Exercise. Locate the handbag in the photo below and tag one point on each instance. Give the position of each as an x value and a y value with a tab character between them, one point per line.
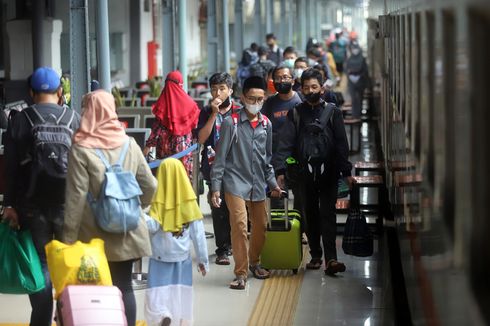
20	271
357	240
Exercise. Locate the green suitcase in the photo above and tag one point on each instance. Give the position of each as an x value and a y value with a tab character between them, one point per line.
282	248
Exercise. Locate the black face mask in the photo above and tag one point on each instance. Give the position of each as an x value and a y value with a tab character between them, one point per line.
283	88
313	97
225	104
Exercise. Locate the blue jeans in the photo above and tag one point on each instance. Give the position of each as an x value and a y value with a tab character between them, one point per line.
45	225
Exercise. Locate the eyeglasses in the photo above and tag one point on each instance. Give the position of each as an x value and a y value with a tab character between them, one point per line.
254	100
284	78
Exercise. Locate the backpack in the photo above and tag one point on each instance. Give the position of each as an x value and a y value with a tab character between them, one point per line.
50	148
316	144
117	210
258	69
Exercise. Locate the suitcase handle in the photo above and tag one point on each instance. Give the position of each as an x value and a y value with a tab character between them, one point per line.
284	196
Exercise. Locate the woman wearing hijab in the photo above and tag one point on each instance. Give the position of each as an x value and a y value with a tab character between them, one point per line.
176	116
175	222
357	74
100	129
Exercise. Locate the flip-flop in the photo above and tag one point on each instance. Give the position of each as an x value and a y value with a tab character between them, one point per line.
259	272
238	283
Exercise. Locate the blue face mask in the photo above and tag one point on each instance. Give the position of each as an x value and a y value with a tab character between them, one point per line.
289	63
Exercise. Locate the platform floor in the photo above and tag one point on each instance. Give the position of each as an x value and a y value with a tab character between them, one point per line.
360	296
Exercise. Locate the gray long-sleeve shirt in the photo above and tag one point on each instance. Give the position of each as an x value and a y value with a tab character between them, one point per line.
242	165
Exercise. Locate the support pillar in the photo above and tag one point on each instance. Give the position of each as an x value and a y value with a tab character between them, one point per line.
212	38
38	39
79	52
168	54
103	54
182	39
238	29
226	36
269	19
258	21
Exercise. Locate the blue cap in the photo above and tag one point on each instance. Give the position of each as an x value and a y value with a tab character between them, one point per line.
45	80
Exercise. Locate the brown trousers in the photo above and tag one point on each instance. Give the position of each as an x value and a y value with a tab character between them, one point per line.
246	252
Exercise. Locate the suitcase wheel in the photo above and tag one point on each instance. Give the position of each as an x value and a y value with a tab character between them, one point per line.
295	271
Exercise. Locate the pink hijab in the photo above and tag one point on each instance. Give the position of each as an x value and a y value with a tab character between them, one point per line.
99	126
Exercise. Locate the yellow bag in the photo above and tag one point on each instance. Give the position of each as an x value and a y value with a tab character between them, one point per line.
79	263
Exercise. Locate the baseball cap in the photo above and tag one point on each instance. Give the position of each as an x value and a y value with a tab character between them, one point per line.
45	80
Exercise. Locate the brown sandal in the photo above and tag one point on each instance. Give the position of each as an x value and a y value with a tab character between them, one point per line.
238	283
259	272
222	260
315	263
334	267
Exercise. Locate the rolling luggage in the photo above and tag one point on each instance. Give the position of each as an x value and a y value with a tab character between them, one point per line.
90	305
282	248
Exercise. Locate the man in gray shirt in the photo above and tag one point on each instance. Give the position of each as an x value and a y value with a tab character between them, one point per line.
242	167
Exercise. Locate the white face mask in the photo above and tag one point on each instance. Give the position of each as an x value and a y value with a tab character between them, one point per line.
297	73
253	108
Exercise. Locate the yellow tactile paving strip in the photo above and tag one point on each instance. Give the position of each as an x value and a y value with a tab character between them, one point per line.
278	297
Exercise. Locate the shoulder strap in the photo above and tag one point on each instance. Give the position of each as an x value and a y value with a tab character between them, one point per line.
327	114
296	118
66	119
33	115
123	153
103	159
120	161
234	118
265	120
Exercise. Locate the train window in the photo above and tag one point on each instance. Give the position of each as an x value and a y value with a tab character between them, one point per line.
477	167
449	41
403	58
408	74
430	98
415	145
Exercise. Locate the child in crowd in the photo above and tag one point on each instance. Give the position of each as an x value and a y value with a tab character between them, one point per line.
175	220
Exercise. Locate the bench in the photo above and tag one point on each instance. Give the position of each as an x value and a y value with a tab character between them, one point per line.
354	124
361	166
369	181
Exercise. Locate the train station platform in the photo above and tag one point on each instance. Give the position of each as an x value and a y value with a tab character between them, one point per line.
362	295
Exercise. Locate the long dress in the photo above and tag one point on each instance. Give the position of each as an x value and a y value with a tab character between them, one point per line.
169	293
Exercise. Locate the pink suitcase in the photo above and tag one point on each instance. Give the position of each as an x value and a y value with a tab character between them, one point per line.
90	305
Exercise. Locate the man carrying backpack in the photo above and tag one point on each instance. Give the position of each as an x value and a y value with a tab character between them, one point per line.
37	143
314	135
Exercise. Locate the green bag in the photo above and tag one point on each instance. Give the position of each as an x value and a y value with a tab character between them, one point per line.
20	267
343	189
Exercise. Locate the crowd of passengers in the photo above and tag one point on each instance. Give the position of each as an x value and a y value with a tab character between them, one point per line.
247	142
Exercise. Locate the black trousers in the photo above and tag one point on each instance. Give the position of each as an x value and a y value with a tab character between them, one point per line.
321	222
121	277
221	225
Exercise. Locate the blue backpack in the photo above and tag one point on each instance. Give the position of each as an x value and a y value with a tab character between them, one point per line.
117	210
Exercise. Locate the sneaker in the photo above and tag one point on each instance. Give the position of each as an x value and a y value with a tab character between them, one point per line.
334	267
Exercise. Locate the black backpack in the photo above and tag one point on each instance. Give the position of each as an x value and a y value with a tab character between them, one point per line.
50	148
316	144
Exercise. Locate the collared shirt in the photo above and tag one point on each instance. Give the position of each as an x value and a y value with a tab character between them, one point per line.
243	158
214	136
